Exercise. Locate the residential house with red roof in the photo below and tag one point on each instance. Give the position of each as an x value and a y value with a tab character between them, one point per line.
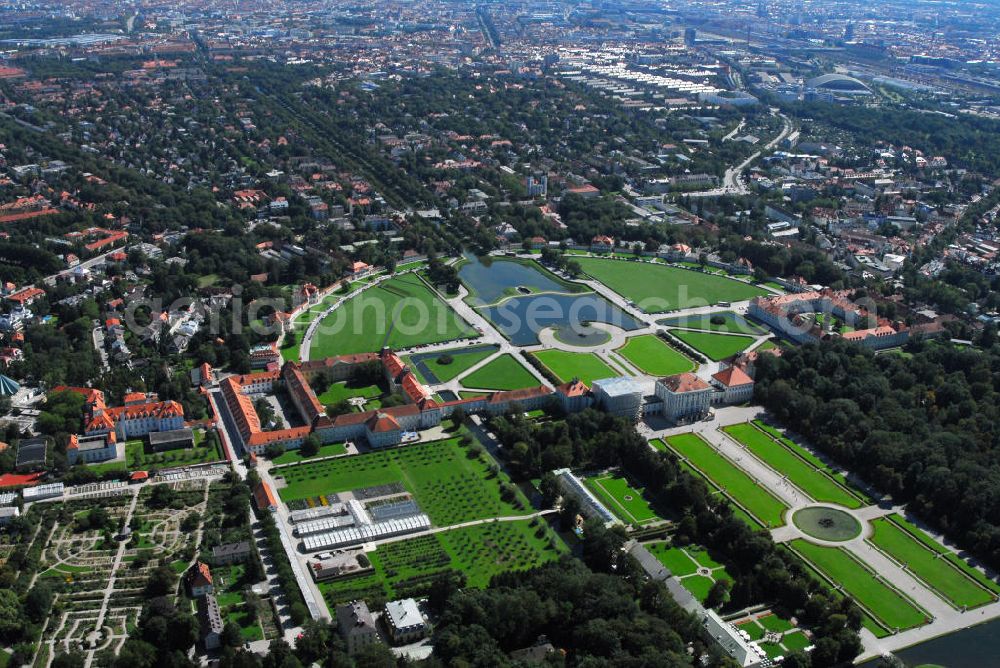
602	244
199	580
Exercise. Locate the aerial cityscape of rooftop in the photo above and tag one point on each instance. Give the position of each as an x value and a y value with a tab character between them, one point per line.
499	334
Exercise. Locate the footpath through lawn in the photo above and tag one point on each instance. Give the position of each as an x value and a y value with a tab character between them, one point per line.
883	601
803	475
401	312
929	566
743	489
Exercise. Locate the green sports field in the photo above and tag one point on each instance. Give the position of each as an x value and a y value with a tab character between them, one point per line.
622	499
929	565
885	603
803	475
760	503
588	367
502	373
657	288
732	323
713	346
461	360
652	356
449	486
401	312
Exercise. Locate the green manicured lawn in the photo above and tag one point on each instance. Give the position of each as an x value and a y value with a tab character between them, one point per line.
732	323
139	455
337	392
755	499
470	395
713	346
812	459
701	555
713	488
957	561
624	500
291	352
230	586
813	482
651	355
657	288
929	565
795	641
400	313
588	367
292	456
698	585
753	629
774	623
408	567
884	602
674	558
106	467
687	560
448	485
502	373
461	360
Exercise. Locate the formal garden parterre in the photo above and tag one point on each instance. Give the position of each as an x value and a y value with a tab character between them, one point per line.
651	355
504	372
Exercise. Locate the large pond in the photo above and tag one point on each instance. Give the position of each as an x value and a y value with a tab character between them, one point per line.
490	280
521	317
977	646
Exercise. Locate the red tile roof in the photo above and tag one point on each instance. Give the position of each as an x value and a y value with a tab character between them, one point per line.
519	395
393	365
157	409
26	295
201	575
574	388
264	497
381	423
684	382
733	377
